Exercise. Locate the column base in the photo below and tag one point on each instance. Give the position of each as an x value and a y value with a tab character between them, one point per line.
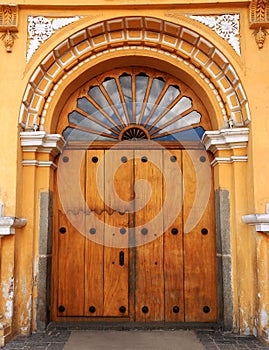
5	333
265	334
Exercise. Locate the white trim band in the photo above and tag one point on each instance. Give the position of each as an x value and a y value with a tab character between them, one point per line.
38	163
225	139
229	160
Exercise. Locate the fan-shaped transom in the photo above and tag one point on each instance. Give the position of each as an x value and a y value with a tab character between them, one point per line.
134	132
134	103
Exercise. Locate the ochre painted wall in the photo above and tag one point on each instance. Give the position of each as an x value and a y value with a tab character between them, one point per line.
247	182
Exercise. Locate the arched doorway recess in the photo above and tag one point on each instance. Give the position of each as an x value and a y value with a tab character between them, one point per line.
134	215
192	56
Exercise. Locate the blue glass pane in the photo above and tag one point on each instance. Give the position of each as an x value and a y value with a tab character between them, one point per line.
96	94
112	91
126	86
191	118
194	134
75	118
79	120
179	108
85	105
71	134
155	90
170	95
141	88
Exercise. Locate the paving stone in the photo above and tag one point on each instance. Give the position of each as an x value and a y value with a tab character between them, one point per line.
58	346
55	339
15	345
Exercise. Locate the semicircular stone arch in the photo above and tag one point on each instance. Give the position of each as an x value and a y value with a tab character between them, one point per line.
127	33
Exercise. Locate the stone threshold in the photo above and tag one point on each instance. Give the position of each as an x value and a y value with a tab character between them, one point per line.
132	325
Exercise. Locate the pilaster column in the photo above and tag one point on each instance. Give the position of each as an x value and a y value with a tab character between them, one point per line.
229	149
260	222
33	253
8	225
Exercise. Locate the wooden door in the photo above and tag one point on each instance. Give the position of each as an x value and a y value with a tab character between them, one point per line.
172	239
200	280
91	239
69	242
107	223
149	293
138	258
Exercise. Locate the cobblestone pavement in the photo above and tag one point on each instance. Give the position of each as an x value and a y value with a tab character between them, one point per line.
211	340
216	340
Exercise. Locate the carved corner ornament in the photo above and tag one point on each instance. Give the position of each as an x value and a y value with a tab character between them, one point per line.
8	25
259	20
41	28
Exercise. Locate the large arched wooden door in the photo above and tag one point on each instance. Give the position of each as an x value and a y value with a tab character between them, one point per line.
134	233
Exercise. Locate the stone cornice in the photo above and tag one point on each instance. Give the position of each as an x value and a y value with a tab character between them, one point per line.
225	139
231	140
41	142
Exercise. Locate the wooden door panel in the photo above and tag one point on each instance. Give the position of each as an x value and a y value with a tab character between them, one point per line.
118	198
130	198
199	240
95	227
116	262
71	270
149	296
173	253
71	241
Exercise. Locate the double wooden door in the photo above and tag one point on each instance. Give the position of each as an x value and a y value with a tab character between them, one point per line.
138	242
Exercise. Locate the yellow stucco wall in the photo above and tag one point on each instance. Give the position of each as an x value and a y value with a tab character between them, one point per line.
247	182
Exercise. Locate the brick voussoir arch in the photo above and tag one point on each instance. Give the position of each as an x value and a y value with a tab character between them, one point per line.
127	33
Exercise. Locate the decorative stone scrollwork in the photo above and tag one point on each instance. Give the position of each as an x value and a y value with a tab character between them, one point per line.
41	28
260	35
226	26
259	20
259	12
8	25
8	40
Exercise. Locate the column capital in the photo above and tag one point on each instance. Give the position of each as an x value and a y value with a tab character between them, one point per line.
227	145
39	142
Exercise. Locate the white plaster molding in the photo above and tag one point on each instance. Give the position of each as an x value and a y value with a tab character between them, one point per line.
226	26
225	139
8	224
37	163
260	221
228	160
40	141
41	29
